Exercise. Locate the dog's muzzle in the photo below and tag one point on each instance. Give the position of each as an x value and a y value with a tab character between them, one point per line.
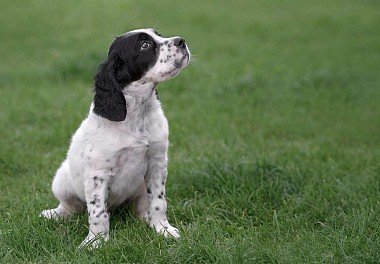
181	45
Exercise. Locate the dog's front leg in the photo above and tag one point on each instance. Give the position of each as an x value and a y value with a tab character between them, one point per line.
96	188
155	180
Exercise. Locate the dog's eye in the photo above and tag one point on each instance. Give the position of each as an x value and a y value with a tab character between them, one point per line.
145	45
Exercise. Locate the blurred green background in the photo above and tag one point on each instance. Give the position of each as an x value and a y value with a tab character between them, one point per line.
274	129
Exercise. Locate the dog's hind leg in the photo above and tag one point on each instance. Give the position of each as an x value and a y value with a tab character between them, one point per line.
64	192
140	203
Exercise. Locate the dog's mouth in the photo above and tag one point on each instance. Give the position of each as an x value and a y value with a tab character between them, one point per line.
178	66
182	63
171	73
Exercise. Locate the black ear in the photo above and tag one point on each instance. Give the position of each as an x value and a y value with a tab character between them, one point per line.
109	101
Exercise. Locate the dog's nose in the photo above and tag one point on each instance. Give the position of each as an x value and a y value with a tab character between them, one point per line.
179	42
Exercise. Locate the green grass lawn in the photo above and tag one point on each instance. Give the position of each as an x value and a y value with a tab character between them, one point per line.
274	129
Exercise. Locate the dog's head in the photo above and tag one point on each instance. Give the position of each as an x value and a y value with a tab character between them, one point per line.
140	55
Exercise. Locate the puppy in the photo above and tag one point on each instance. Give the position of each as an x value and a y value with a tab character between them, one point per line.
119	152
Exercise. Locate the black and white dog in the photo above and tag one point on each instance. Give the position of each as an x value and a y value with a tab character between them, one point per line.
119	152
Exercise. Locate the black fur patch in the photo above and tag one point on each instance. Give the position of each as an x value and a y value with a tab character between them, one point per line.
126	63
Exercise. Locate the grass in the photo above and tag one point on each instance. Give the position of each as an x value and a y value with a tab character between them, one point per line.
275	129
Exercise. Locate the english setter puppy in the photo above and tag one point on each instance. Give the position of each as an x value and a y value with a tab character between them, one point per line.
119	152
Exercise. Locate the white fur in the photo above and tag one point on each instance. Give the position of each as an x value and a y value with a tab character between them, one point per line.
111	162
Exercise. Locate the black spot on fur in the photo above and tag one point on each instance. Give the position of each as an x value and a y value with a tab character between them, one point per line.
158	98
97	179
148	190
160	196
96	199
107	160
100	213
157	208
92	202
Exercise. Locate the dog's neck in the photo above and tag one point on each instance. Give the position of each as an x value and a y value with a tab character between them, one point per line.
139	97
139	90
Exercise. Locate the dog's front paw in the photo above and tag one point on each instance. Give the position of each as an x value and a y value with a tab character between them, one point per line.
93	241
51	214
167	230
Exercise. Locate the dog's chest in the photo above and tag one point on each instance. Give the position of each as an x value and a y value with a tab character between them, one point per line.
129	166
128	154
